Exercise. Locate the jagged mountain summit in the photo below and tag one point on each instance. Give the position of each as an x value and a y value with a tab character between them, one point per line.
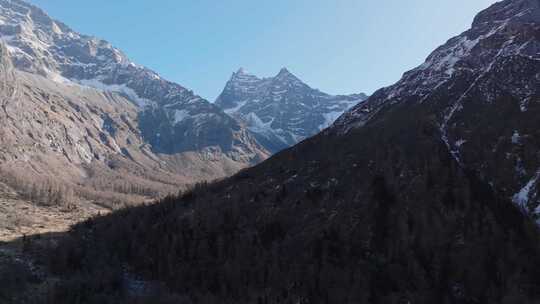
482	89
79	100
281	110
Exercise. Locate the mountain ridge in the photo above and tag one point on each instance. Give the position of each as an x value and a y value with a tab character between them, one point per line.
281	110
472	73
67	56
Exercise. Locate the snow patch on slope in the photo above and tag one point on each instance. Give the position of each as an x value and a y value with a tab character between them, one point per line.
516	138
256	124
329	119
523	196
238	106
122	89
180	115
447	60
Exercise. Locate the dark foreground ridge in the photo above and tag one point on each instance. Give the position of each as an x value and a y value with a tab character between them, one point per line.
396	221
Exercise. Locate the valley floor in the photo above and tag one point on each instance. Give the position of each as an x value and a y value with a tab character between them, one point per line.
19	217
22	278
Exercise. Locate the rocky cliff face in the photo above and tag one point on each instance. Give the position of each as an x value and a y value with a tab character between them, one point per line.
80	136
482	90
73	101
281	110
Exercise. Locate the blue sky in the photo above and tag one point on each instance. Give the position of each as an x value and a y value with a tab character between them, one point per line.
337	46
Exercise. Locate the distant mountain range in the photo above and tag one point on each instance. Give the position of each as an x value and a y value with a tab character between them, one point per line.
282	110
77	110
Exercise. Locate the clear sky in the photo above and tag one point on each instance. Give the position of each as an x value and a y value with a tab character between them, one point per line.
337	46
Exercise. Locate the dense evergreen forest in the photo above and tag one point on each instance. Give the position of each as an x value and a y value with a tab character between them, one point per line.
395	221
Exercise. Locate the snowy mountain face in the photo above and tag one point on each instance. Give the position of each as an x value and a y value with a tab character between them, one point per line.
281	110
173	118
76	109
482	92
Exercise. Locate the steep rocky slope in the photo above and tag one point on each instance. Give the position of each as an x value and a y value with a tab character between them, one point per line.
82	136
482	90
77	110
409	198
41	45
282	110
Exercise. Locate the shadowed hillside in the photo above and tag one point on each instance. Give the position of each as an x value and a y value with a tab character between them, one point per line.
427	192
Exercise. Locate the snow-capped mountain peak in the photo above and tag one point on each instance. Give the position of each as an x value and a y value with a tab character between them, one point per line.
284	72
287	79
281	110
241	71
